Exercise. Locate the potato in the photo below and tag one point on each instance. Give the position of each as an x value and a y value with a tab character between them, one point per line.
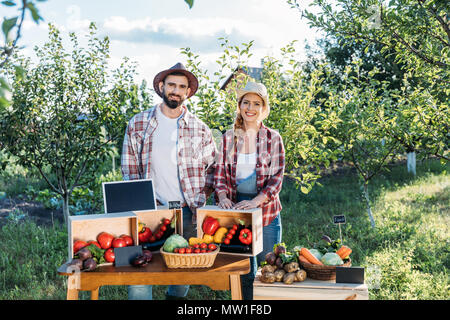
300	275
279	273
268	268
268	277
289	277
291	267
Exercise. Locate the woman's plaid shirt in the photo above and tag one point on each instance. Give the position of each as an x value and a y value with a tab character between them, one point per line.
196	153
269	169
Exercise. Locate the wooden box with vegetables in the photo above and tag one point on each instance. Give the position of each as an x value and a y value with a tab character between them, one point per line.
154	227
100	233
238	232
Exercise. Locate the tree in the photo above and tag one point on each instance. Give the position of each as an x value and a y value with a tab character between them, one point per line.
67	111
417	34
8	26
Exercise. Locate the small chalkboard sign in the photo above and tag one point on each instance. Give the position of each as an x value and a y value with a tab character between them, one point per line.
133	195
349	275
125	256
174	205
339	219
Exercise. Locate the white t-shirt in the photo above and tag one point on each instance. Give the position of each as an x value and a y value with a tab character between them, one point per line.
164	167
246	165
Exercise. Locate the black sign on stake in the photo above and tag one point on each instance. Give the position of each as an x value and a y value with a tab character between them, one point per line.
174	205
339	220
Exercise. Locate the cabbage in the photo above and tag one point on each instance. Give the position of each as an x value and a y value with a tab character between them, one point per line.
175	241
331	259
316	253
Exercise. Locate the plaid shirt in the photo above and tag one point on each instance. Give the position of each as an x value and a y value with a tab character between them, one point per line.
196	153
269	169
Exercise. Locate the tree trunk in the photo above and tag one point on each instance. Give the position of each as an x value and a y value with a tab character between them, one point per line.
411	162
369	210
66	207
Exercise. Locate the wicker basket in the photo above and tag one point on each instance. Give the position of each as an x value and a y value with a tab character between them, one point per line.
189	260
320	272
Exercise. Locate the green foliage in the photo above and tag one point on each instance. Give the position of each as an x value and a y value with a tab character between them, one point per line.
69	110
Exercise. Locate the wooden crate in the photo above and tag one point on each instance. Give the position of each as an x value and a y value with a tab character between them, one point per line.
152	219
228	217
309	289
88	227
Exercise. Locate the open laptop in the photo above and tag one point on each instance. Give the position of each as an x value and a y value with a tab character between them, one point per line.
132	195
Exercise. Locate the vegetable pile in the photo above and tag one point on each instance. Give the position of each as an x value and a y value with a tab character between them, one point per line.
281	266
329	253
177	244
152	241
89	254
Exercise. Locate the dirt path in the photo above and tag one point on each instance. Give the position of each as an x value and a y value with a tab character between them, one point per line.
23	209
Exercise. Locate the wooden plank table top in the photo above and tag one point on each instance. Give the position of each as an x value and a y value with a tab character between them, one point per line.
310	289
223	275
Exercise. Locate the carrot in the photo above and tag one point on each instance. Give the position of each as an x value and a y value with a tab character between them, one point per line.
344	252
303	259
310	257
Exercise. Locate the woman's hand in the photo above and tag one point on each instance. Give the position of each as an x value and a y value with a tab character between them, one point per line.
224	202
246	204
251	204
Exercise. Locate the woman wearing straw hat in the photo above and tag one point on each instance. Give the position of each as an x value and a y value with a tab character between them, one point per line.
249	170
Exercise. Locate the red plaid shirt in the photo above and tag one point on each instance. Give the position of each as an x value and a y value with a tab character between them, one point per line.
196	153
269	169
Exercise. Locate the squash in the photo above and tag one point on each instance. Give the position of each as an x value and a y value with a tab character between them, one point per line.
220	234
344	252
310	257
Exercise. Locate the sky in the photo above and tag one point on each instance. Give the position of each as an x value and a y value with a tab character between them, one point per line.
152	32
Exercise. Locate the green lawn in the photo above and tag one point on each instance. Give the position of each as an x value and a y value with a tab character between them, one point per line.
406	256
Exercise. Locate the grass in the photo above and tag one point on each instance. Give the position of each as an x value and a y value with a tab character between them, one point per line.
406	255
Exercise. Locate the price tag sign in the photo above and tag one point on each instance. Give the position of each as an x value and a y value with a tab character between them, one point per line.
339	219
174	204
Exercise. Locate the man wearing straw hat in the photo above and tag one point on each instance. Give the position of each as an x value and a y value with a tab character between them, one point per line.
175	149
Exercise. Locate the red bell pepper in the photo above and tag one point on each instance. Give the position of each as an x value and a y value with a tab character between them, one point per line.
210	225
245	236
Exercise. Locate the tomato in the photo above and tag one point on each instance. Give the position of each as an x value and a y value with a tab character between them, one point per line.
235	227
163	228
196	246
158	235
79	244
128	239
229	236
203	245
182	250
226	241
166	222
152	239
109	255
118	243
145	235
203	250
95	243
176	250
197	250
232	231
212	247
189	250
105	240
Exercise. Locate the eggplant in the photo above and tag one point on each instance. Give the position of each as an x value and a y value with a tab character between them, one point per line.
153	246
84	254
140	261
89	264
235	248
148	255
327	238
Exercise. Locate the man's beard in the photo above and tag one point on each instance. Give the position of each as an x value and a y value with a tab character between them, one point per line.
173	104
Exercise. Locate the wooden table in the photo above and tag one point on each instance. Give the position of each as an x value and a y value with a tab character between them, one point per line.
223	275
310	289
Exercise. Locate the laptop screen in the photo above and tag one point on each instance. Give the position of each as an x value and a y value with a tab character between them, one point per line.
134	195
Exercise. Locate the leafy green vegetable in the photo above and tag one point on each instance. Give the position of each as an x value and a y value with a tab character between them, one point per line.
97	254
